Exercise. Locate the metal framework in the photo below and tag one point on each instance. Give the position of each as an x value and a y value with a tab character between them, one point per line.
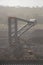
13	26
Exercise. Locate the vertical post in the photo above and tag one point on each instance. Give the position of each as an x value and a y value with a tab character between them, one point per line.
9	30
16	37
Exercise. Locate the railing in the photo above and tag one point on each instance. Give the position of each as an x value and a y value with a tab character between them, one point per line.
17	44
13	26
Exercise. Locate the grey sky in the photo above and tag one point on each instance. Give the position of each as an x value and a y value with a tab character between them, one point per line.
28	3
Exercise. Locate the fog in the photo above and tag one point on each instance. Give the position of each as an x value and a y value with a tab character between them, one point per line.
34	36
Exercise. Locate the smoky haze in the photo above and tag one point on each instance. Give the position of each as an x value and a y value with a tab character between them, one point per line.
33	37
22	12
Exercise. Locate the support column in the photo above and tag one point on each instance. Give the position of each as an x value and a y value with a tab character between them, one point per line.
16	36
9	30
